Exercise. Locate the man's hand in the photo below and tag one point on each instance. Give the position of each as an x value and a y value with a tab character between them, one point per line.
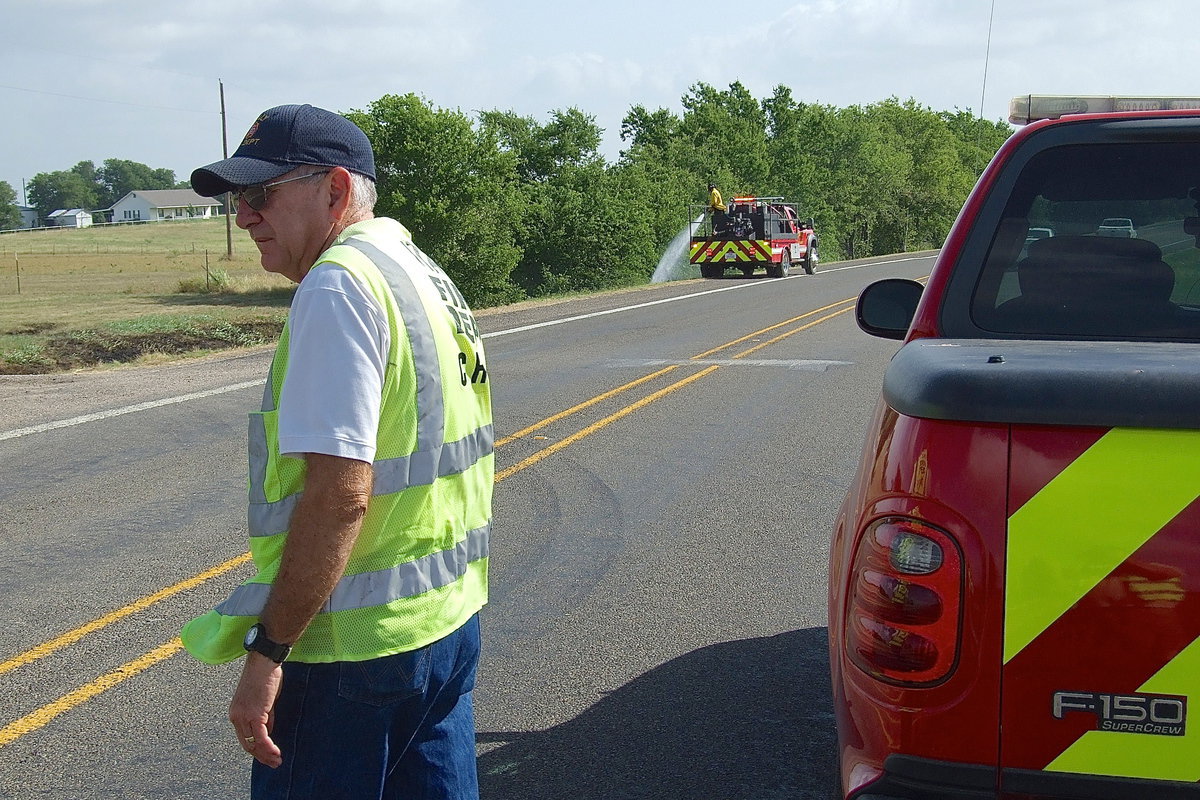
252	708
321	535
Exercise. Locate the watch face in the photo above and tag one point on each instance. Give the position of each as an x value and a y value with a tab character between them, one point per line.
251	635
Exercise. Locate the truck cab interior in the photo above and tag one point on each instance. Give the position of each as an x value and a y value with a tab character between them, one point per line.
1047	270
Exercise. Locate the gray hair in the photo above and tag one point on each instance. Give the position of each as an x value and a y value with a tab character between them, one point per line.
362	194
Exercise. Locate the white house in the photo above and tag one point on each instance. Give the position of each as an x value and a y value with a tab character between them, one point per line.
155	204
70	218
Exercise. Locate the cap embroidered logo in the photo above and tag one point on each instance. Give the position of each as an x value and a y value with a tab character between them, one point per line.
249	138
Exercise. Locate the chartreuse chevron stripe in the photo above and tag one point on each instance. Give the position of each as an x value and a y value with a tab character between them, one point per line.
1091	517
1139	755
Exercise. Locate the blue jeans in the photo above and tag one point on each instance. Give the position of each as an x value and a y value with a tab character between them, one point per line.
396	727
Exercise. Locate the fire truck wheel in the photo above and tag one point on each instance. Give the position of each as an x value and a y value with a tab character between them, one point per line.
810	262
781	269
747	271
710	271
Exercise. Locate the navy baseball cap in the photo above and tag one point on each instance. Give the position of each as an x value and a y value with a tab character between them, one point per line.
283	138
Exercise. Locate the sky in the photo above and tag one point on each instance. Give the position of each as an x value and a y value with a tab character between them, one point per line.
89	80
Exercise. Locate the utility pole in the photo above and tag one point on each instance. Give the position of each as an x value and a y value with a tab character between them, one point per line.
228	197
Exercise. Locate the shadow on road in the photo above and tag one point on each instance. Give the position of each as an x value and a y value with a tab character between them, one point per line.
743	719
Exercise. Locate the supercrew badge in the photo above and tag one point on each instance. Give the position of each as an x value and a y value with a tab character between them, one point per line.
1159	714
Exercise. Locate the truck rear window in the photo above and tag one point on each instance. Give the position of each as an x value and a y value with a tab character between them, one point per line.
1098	242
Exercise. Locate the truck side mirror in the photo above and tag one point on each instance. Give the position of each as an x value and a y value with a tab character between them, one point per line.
886	308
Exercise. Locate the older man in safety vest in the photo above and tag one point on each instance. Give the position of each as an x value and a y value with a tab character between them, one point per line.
371	474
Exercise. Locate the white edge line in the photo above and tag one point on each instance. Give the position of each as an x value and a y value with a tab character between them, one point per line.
756	284
116	412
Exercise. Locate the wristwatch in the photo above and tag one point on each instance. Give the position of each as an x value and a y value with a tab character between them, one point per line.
257	641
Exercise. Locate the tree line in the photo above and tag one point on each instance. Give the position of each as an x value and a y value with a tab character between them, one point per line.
84	186
513	207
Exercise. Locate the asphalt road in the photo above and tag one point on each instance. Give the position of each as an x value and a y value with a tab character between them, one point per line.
669	463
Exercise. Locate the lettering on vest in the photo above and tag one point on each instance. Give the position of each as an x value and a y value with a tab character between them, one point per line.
456	304
460	311
479	375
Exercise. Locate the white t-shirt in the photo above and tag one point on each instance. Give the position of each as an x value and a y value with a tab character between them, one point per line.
339	338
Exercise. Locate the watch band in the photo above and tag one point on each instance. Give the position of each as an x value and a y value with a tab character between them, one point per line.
257	641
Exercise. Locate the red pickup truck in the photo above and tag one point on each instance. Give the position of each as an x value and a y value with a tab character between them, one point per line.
1014	586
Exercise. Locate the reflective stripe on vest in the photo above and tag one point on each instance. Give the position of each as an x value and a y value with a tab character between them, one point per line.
431	460
419	567
391	475
381	587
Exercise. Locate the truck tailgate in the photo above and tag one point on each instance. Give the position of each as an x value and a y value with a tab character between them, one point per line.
1102	607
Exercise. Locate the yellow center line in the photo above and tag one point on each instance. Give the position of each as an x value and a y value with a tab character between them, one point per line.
70	637
750	336
31	722
45	714
648	399
783	336
632	384
575	437
586	404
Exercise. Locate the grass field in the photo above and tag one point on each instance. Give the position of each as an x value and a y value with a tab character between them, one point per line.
77	298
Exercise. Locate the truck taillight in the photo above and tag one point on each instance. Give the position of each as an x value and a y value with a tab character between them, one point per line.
903	623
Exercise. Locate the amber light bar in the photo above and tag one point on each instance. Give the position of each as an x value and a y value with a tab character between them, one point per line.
1031	107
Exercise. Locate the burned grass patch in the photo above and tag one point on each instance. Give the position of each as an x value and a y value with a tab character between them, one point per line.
127	342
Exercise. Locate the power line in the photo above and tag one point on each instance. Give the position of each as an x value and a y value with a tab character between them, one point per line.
100	100
118	62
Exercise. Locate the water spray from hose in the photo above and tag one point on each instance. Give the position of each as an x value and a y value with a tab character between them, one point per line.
674	264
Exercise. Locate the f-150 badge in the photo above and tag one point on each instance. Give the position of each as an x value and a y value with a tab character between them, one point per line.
1157	714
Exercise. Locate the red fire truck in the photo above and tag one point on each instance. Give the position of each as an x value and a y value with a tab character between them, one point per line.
1014	588
754	232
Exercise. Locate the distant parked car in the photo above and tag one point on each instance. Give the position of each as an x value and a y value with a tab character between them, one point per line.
1120	227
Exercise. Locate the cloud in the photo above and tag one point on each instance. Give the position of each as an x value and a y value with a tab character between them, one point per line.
142	81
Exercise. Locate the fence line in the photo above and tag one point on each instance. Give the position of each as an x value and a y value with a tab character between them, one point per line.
57	249
47	228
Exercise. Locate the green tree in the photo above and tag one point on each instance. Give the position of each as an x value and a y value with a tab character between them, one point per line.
645	129
589	225
10	214
51	191
727	131
804	160
454	187
86	170
936	182
119	177
570	138
881	178
590	229
976	139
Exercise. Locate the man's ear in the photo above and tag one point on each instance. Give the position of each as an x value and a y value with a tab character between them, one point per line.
339	192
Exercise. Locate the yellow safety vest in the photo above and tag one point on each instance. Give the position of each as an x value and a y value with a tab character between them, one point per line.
418	570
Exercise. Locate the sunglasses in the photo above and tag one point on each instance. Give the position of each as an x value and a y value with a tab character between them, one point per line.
256	196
